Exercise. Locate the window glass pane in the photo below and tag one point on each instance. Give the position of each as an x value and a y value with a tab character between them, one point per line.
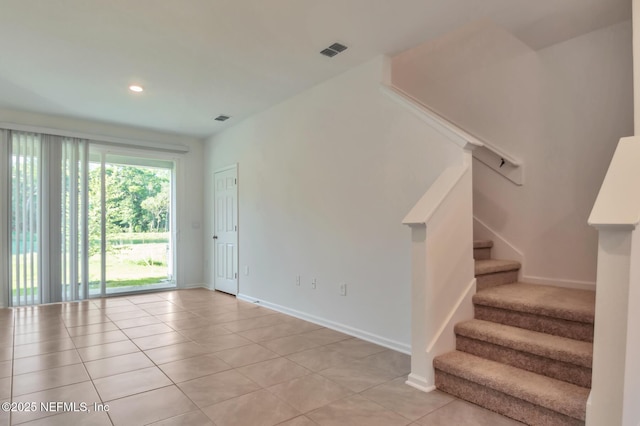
137	242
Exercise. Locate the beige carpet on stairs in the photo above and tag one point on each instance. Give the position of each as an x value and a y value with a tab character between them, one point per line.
553	395
553	356
557	302
528	352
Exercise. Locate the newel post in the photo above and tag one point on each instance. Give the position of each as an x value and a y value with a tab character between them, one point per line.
615	389
421	369
616	351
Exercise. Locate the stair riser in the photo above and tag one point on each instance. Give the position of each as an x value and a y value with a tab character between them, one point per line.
567	372
497	278
558	327
483	253
502	403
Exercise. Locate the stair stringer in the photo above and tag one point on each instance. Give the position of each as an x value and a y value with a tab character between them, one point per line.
445	337
502	249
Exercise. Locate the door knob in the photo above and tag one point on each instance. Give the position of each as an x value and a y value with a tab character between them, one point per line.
215	237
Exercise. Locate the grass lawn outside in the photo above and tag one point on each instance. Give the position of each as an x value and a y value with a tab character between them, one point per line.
134	260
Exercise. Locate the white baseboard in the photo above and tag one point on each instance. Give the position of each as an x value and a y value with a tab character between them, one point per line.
579	285
195	285
419	383
351	331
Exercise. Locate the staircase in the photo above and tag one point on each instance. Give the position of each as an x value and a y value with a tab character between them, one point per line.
528	352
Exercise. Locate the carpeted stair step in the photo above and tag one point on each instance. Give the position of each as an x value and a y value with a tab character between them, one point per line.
546	309
493	272
553	356
482	249
513	392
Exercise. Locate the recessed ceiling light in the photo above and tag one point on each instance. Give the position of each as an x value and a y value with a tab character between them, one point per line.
136	88
222	118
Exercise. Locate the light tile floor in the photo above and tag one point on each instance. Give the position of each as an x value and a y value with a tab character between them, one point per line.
197	357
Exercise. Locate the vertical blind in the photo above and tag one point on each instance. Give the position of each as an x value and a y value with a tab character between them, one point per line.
25	218
5	208
74	241
48	230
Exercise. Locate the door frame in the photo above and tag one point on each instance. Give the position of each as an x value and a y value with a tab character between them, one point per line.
235	167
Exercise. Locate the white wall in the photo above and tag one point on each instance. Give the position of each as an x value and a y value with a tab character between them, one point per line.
190	180
325	179
560	110
4	217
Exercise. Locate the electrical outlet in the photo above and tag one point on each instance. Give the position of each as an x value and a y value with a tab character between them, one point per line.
298	280
246	270
343	289
313	284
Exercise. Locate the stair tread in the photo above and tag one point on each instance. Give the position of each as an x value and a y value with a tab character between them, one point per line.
490	266
546	392
545	345
482	244
564	303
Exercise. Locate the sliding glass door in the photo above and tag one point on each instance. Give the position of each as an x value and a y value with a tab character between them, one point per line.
131	244
83	219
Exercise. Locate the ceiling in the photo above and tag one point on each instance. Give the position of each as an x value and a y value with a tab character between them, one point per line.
200	58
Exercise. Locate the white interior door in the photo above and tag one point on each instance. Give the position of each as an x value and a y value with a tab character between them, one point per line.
226	230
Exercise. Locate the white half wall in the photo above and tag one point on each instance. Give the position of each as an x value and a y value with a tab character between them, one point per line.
325	179
188	192
560	110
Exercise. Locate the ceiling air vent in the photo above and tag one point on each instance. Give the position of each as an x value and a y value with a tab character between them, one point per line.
222	118
328	52
333	50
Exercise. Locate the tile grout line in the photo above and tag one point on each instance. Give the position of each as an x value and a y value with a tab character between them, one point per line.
75	348
236	369
170	379
128	339
13	350
211	353
158	365
161	370
85	368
